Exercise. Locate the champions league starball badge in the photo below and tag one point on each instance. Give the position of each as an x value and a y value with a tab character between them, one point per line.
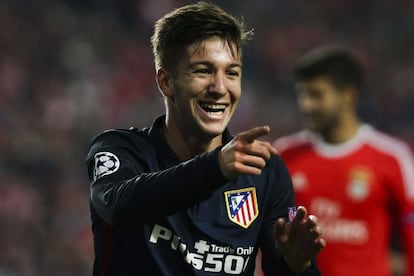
105	163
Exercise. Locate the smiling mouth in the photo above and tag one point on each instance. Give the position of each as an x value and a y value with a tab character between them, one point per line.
213	108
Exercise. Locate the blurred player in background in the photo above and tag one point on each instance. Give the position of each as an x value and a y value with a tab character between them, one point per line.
356	179
185	197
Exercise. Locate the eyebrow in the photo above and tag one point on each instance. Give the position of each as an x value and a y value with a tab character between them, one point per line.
209	64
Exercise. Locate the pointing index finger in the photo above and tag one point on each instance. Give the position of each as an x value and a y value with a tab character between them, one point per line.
254	133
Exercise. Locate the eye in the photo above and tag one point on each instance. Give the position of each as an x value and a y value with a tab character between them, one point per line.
202	71
233	73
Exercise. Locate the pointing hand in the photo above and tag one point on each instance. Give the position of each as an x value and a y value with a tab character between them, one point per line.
246	155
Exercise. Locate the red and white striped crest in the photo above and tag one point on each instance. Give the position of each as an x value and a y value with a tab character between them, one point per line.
242	206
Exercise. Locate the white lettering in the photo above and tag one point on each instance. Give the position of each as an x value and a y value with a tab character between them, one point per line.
214	262
160	232
206	257
245	251
175	242
345	231
233	264
201	246
196	260
323	207
221	249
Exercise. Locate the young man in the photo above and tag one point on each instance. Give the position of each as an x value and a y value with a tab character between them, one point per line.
184	197
357	180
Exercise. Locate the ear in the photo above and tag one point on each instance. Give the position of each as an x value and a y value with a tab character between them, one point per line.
351	96
165	82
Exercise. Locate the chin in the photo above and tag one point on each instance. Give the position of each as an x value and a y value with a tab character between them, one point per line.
316	129
314	126
214	130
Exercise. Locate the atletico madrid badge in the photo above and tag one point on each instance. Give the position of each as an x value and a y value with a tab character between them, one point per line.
242	206
292	213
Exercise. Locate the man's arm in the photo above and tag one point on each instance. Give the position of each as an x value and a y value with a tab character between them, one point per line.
135	193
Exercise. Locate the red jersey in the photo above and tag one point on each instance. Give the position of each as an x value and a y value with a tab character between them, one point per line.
359	190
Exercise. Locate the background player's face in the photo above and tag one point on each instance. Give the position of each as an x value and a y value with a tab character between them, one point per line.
321	103
207	87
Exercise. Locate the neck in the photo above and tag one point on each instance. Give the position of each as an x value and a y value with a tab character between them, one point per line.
343	131
186	145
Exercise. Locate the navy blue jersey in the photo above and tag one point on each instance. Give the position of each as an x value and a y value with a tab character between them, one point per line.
155	215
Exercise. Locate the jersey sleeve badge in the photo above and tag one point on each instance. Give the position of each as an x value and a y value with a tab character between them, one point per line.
242	206
292	213
105	163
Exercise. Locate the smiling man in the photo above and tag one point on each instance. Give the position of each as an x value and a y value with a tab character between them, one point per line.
184	196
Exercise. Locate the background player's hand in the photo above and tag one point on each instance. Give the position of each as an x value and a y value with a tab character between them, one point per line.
299	240
244	154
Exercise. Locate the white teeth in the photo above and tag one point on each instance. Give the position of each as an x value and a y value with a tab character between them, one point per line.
218	107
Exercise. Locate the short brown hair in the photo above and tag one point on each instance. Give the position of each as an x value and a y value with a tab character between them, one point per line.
190	24
338	63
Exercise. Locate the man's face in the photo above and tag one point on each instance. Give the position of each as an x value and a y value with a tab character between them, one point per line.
321	103
207	88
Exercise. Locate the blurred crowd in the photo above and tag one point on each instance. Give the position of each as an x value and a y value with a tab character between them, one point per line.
70	69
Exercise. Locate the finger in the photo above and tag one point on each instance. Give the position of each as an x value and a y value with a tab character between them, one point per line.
279	228
310	223
271	149
258	148
300	215
254	133
241	168
313	220
254	161
261	148
315	233
321	242
319	245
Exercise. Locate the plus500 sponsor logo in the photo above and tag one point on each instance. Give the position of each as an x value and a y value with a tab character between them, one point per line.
206	256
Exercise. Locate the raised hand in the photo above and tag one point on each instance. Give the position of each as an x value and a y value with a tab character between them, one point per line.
244	154
299	240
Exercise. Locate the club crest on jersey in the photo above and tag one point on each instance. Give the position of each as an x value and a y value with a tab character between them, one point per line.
242	206
359	183
105	163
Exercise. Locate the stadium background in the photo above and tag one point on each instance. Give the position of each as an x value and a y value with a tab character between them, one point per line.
70	69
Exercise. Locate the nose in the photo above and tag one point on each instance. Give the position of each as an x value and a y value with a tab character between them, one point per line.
218	84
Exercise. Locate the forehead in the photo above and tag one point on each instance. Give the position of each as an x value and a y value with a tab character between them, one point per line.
214	48
317	83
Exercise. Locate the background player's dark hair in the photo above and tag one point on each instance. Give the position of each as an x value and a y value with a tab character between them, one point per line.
337	63
191	24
